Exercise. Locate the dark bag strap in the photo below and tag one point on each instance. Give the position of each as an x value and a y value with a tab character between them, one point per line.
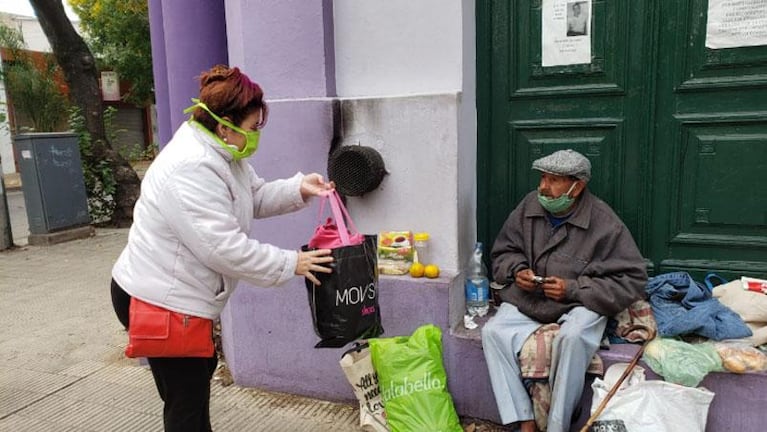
358	347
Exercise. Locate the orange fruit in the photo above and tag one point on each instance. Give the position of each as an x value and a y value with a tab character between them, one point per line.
431	271
417	270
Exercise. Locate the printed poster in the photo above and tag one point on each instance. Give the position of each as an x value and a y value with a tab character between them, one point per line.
736	23
565	32
110	86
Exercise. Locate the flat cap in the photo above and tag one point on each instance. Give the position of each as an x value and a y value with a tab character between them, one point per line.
565	163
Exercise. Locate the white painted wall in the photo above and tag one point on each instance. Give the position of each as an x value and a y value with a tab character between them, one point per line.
34	37
397	47
416	137
405	75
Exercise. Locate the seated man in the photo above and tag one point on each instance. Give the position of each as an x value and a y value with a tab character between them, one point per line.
566	258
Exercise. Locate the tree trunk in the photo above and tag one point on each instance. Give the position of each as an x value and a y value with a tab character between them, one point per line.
81	74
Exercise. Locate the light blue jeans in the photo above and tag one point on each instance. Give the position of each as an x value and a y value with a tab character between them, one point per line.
575	344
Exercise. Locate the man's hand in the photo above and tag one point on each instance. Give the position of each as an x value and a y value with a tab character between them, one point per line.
554	288
524	280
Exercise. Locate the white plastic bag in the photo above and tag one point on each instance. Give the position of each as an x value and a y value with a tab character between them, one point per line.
358	368
649	406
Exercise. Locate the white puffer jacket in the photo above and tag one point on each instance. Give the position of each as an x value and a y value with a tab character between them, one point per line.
189	245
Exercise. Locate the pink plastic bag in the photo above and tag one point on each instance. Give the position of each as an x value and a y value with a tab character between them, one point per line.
334	233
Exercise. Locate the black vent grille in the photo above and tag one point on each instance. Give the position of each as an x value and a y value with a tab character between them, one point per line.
356	169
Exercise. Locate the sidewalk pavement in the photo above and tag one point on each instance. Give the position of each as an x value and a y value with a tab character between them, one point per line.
62	366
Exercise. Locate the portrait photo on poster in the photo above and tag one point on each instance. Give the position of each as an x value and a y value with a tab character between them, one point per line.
565	32
577	18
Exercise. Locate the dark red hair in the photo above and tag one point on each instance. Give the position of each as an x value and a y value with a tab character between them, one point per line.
228	93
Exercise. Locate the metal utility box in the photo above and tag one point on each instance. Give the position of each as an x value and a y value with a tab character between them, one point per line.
52	181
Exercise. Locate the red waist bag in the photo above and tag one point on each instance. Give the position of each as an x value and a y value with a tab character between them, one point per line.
157	332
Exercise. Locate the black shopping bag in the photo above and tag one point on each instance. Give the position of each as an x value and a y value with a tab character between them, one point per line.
345	306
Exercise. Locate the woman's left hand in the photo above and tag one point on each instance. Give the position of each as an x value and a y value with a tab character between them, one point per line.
314	260
314	185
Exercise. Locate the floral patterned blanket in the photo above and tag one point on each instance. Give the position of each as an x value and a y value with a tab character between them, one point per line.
535	356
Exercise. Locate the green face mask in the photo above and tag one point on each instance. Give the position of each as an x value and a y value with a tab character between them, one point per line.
559	204
251	137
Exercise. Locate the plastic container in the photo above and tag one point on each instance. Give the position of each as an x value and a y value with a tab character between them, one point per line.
422	247
477	284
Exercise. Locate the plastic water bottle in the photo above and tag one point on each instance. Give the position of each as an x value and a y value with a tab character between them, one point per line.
477	285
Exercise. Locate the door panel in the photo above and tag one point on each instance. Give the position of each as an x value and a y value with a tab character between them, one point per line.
597	140
710	146
597	109
605	75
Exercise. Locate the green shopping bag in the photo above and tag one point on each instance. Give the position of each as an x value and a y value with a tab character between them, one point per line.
413	383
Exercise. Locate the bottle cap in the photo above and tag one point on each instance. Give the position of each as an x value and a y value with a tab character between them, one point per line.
422	236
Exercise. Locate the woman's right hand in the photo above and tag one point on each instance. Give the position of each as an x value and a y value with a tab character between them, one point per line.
313	261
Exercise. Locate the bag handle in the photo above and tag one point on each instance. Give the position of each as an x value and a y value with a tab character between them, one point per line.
358	347
340	214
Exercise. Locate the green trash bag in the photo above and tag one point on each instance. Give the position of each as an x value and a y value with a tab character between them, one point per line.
413	382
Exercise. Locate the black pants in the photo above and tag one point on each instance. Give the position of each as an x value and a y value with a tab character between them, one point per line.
183	382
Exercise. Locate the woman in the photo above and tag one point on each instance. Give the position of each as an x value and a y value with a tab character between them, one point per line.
189	244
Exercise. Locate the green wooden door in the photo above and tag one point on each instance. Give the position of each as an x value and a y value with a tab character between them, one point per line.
710	149
677	133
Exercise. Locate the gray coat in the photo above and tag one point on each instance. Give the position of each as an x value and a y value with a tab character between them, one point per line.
593	251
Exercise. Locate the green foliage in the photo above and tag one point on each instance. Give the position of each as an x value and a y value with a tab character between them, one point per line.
137	152
117	31
134	152
100	183
11	38
32	85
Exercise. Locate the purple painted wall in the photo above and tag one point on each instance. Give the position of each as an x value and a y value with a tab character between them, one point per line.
274	348
191	40
261	325
268	336
160	72
286	44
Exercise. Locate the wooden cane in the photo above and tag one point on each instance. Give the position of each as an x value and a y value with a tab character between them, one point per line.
616	386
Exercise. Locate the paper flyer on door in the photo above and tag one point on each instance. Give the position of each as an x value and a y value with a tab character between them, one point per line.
736	23
565	32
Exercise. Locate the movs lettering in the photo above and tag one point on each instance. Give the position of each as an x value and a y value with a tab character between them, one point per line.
356	294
